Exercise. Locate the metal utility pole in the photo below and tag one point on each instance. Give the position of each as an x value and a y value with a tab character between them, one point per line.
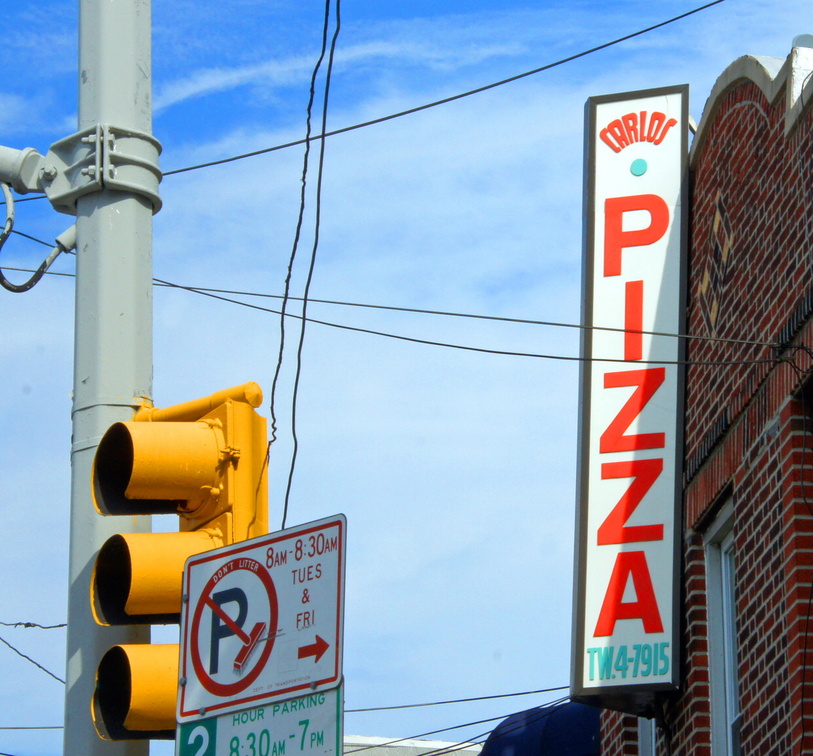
107	176
113	338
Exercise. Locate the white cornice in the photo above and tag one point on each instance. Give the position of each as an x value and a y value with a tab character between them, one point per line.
793	75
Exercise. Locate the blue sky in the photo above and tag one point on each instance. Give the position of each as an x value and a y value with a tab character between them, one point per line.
456	469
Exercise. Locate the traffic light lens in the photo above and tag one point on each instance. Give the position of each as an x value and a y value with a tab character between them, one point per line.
112	580
113	473
136	575
113	688
112	469
136	687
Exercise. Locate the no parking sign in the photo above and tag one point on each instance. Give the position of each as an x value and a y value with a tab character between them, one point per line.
263	620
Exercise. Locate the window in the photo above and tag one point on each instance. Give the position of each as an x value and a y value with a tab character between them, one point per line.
722	617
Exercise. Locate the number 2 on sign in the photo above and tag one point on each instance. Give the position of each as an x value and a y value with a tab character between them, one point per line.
201	734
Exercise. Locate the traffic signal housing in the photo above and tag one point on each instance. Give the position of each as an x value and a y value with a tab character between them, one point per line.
206	461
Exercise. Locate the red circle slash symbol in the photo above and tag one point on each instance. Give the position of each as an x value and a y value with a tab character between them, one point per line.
227	603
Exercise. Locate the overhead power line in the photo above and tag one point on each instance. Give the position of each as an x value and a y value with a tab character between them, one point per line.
508	353
449	729
502	352
354	711
28	658
330	52
214	292
458	700
445	100
435	103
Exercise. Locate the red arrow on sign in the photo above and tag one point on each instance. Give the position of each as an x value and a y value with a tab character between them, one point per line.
314	649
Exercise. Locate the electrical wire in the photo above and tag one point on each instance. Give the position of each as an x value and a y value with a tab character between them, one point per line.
483	350
315	246
446	729
428	342
447	100
32	624
459	700
543	712
64	242
203	290
353	711
297	237
28	658
436	103
536	355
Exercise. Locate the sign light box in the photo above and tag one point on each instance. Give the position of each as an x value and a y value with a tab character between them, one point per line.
627	621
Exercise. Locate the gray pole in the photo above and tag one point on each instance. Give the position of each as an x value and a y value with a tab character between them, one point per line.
113	347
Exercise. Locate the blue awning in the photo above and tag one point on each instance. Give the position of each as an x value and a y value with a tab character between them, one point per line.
569	729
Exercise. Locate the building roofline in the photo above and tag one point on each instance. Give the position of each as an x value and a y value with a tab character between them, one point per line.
792	75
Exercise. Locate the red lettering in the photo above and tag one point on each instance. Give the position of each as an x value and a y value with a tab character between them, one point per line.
636	127
616	239
605	137
629	564
647	382
655	123
616	128
630	122
671	122
634	320
644	472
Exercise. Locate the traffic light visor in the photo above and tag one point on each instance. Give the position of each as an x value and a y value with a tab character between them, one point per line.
156	468
136	688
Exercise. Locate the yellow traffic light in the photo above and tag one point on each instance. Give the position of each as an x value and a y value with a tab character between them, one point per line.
206	461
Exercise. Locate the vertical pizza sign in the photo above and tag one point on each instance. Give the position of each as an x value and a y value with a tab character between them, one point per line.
630	447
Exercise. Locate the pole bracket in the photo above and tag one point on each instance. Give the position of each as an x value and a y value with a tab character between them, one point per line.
97	158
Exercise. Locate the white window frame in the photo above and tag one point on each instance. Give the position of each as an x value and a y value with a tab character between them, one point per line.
722	634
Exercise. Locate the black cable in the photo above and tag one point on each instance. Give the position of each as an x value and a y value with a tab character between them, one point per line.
543	712
32	624
5	232
459	700
203	290
445	729
297	235
36	664
315	247
466	348
298	231
447	100
710	363
32	238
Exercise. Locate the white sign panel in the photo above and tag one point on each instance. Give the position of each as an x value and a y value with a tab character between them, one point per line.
263	620
631	443
306	726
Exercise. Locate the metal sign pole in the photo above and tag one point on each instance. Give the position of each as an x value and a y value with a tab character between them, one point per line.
113	338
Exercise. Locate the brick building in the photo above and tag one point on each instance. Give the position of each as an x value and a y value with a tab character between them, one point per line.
747	656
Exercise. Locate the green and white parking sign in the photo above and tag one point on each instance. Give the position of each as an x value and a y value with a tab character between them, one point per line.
306	726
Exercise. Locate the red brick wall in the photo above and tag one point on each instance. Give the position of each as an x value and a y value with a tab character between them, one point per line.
751	263
619	733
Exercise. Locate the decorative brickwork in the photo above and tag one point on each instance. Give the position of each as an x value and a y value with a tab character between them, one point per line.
749	424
